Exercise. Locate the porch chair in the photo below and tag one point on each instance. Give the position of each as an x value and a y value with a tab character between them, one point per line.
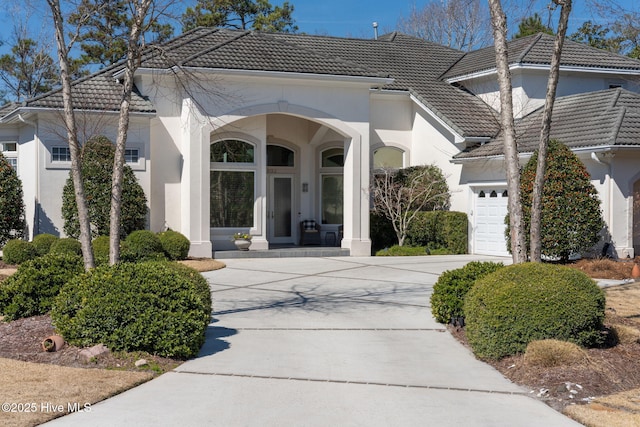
309	232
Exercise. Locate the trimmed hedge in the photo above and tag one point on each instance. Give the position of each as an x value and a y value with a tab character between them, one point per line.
31	290
100	246
175	245
438	230
66	245
452	286
142	245
17	251
158	307
508	309
43	242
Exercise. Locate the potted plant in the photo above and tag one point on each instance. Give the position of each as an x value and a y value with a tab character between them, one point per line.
52	343
242	241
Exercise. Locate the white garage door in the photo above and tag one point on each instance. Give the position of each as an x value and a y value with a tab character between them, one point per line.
490	211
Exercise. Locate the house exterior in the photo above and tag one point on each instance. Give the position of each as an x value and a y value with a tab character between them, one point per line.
241	131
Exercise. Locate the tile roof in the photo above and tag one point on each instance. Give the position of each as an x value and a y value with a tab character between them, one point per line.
536	50
603	118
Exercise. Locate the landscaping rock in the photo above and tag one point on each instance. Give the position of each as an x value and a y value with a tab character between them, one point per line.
141	362
89	353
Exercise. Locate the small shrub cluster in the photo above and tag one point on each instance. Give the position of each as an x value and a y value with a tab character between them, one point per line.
31	290
43	242
142	245
100	246
550	353
515	305
17	251
452	286
396	250
66	245
158	307
175	245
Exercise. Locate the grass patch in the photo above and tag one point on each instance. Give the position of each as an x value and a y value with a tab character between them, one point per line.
549	353
616	410
203	264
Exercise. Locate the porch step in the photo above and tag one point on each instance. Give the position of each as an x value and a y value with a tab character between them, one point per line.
304	251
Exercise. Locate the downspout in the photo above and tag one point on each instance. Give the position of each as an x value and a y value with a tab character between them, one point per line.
598	160
36	210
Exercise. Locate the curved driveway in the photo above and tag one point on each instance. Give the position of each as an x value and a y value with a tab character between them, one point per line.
327	342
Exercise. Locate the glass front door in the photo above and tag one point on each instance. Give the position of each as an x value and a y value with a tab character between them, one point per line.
279	215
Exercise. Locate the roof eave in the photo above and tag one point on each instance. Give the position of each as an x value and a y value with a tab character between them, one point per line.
14	115
457	135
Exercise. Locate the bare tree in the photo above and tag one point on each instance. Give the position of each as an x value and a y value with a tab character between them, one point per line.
459	24
516	229
400	194
535	250
72	132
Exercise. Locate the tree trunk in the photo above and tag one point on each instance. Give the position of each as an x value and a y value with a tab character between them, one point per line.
552	84
499	24
72	134
133	56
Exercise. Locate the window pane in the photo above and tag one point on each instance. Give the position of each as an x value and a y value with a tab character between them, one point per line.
13	162
279	156
60	154
333	157
332	199
387	157
8	146
232	196
131	155
232	151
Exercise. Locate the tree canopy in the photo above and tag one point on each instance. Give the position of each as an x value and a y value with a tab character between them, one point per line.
240	14
28	70
532	25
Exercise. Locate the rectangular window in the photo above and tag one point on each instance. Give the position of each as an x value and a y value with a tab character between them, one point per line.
8	147
13	162
232	198
332	199
60	154
131	155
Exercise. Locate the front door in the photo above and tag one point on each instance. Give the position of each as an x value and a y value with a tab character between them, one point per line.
279	215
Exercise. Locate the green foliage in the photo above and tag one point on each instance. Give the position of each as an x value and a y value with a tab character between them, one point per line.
18	251
142	245
452	286
31	290
381	231
571	219
159	307
532	25
402	251
12	222
43	242
508	309
100	246
97	169
66	245
28	70
595	35
175	245
258	15
439	230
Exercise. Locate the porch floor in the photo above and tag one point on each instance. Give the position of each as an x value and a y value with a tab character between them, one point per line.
284	251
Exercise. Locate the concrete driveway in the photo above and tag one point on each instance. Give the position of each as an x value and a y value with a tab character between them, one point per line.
327	342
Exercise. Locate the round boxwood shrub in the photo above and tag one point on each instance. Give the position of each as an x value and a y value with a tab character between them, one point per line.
31	290
452	286
150	306
66	245
100	246
43	242
508	309
17	251
175	245
142	245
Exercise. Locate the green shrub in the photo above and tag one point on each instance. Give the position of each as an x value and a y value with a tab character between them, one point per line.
31	290
142	245
402	251
381	231
439	230
452	286
508	309
100	246
66	245
97	170
157	307
175	245
12	223
43	242
17	251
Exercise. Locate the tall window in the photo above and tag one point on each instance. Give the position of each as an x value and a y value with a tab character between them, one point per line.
232	180
332	185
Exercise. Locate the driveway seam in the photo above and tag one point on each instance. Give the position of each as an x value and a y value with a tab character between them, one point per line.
354	382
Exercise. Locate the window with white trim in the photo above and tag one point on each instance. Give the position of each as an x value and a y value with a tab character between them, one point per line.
9	150
332	185
131	155
388	157
60	154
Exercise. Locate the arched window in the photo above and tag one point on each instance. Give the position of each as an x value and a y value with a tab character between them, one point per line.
232	151
232	180
331	185
280	156
388	157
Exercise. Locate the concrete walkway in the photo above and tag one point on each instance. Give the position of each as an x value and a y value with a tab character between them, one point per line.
327	342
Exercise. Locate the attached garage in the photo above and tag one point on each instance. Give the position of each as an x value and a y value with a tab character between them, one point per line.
489	227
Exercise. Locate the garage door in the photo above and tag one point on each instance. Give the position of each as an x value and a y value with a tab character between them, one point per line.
490	211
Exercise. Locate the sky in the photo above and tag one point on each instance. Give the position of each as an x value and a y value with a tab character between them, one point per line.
342	18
